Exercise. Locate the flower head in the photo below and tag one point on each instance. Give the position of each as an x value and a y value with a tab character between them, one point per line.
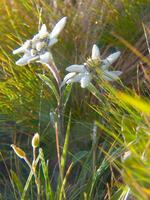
38	48
84	73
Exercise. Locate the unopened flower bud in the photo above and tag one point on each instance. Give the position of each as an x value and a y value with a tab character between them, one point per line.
35	140
33	52
40	45
20	153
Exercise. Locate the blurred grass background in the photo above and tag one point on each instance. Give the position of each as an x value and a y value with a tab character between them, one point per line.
26	103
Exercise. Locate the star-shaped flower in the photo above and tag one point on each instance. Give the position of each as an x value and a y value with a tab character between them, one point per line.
85	72
38	48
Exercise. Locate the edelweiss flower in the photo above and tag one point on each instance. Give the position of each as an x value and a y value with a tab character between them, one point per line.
38	48
84	73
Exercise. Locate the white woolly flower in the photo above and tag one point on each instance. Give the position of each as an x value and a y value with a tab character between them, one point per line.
78	73
38	48
84	73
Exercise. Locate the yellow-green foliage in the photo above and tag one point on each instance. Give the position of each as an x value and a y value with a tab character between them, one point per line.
92	166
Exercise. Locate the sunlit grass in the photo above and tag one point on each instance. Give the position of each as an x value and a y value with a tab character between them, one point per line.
106	121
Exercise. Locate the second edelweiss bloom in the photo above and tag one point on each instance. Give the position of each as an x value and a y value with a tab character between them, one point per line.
38	48
84	73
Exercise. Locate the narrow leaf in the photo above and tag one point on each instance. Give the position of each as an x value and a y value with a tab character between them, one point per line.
50	84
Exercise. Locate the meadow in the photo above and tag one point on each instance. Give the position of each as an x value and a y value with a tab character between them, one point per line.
74	99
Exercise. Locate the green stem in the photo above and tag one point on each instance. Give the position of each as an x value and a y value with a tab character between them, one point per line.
37	181
29	178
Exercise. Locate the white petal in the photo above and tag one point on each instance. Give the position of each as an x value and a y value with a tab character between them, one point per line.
43	31
24	60
113	57
67	77
110	60
27	44
35	39
105	66
33	58
53	41
76	68
85	81
95	52
76	78
58	28
19	50
111	75
46	57
23	48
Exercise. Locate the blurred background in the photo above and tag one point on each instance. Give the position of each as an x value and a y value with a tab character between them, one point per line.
27	104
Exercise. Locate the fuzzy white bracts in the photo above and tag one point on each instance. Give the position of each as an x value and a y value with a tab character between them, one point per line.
38	48
83	73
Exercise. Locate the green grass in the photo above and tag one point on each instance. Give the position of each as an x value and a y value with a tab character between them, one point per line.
100	123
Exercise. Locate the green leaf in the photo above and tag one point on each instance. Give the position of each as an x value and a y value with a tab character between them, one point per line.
79	156
28	181
66	95
49	192
16	181
65	147
64	157
51	85
26	185
94	91
121	193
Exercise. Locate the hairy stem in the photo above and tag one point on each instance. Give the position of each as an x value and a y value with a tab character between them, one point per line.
59	121
54	70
